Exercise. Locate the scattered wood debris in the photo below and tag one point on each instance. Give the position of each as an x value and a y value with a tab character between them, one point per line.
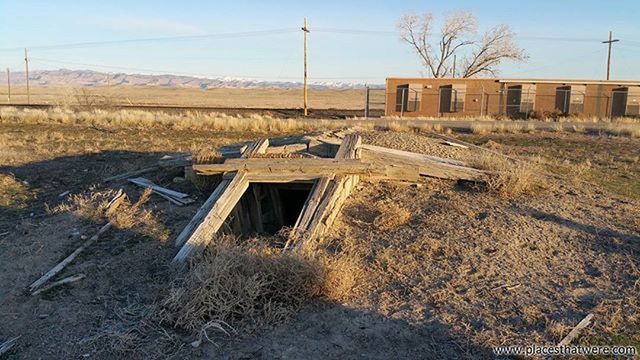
173	196
7	345
576	331
454	144
113	204
54	284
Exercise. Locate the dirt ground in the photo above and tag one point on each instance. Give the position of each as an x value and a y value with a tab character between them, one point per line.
224	97
468	270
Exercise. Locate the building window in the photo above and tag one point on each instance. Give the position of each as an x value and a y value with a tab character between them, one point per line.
520	99
408	98
452	98
633	102
570	99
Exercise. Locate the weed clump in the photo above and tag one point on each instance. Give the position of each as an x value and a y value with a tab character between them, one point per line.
243	285
508	178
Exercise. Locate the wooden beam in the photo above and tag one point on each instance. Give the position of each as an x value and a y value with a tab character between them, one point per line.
332	197
204	232
282	178
350	147
411	155
426	166
257	147
338	190
318	166
308	210
253	148
284	149
256	209
202	212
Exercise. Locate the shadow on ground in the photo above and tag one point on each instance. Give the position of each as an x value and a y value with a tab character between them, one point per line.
101	317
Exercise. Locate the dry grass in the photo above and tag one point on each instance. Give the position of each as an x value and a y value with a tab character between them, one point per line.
618	127
238	286
222	97
243	285
14	193
390	216
138	119
508	178
93	206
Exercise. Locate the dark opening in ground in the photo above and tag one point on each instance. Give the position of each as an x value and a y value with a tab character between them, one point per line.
265	208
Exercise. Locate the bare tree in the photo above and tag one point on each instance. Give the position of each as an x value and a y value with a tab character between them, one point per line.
477	57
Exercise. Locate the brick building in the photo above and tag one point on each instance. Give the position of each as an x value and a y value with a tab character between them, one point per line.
516	98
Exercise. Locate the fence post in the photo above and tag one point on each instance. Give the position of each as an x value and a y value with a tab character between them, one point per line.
482	102
366	102
404	95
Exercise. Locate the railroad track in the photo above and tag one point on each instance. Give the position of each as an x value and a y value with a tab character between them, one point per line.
276	112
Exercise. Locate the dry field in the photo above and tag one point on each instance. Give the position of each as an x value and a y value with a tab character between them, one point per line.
154	95
436	269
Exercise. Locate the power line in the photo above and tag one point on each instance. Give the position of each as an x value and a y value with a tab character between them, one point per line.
168	38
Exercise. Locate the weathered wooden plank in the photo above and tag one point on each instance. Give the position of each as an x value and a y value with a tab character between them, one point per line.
411	155
256	209
576	331
175	197
284	149
350	147
8	345
211	200
336	194
308	210
318	166
202	212
337	191
204	232
426	166
276	201
54	284
280	177
257	147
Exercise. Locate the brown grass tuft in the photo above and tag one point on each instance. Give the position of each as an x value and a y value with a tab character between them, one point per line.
13	192
206	156
243	285
93	206
508	178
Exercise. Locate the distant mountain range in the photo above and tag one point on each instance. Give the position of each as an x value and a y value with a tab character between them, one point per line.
89	78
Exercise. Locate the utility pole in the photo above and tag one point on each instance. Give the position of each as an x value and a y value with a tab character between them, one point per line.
26	66
8	86
610	41
305	30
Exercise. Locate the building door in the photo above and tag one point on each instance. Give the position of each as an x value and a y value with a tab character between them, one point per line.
619	102
402	98
514	97
563	99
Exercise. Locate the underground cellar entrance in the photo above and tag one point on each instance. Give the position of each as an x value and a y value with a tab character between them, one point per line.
266	208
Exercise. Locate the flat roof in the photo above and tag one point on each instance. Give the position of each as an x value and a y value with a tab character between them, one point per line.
529	80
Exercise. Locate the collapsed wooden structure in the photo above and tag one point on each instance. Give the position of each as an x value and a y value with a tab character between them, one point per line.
330	168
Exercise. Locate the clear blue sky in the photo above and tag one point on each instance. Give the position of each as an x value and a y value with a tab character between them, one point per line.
333	56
